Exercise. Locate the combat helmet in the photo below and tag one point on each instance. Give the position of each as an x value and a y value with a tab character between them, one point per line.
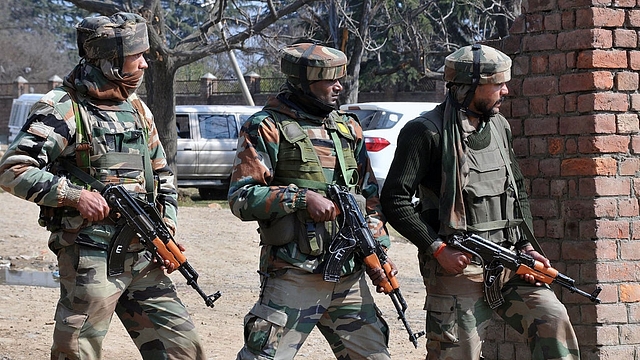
112	37
306	62
477	63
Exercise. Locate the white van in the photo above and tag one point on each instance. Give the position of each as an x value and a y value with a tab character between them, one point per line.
19	112
206	146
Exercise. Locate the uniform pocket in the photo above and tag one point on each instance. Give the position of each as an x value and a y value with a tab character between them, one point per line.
263	328
67	331
442	324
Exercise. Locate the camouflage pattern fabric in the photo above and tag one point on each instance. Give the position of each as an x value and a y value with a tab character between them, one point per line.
458	316
278	324
108	37
316	62
257	193
494	66
143	297
119	132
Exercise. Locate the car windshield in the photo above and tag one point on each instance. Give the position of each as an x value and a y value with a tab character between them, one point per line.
376	119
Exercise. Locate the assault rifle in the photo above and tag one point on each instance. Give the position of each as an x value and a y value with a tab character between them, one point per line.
491	254
142	219
354	236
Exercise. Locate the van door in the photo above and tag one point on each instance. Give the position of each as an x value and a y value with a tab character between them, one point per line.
217	145
187	148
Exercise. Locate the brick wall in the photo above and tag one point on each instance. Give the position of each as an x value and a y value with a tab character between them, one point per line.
573	107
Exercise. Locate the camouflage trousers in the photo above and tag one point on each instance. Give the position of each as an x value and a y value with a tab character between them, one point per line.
143	297
458	316
291	304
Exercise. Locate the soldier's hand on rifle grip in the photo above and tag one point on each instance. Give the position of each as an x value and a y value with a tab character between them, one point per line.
320	208
92	206
529	250
453	260
379	277
170	266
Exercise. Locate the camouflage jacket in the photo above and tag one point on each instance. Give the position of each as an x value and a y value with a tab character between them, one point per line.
29	167
254	195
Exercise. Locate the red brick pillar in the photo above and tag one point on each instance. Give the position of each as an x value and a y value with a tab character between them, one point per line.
573	109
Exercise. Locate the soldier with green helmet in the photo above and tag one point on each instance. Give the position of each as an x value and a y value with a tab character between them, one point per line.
96	123
459	160
287	155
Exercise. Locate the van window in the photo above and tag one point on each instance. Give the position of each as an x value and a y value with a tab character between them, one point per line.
19	113
182	124
218	126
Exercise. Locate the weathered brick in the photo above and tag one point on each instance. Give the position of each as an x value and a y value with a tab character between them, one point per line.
544	208
537	106
599	17
534	6
627	123
520	65
588	166
557	63
538	146
555	104
578	250
518	26
628	207
558	188
635	102
588	124
539	187
603	59
629	166
624	3
630	250
635	145
608	101
623	38
555	146
584	39
630	334
555	229
543	85
626	81
539	64
633	18
529	167
603	144
549	167
541	126
534	23
553	22
606	250
569	19
605	207
540	42
616	271
634	60
585	209
584	81
604	186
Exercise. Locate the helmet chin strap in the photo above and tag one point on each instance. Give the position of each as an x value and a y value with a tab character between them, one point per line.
474	84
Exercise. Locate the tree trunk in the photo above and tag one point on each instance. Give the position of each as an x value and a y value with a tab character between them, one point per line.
159	82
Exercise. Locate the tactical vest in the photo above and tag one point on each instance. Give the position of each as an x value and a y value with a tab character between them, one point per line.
491	194
300	241
298	162
111	145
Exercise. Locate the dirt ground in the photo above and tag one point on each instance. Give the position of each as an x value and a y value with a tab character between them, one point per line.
220	247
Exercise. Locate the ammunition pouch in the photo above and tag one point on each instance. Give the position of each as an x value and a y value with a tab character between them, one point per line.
311	237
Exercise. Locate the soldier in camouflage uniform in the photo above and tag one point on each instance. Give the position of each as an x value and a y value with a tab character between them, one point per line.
459	159
96	122
287	154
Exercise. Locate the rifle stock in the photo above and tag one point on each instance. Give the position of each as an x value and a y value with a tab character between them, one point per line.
487	252
355	231
145	221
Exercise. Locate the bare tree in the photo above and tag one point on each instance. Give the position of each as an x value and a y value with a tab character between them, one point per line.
166	58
